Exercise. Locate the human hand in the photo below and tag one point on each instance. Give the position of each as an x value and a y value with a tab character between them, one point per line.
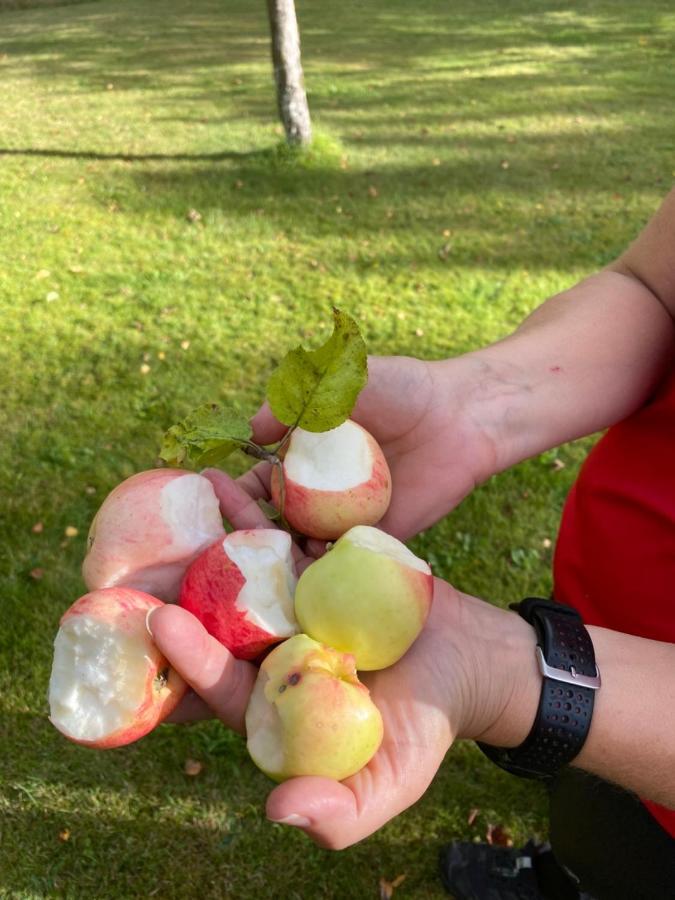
417	411
454	681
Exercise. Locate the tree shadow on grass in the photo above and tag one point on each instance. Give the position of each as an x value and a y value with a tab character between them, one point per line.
377	64
131	824
53	153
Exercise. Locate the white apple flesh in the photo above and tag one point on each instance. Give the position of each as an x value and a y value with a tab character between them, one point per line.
110	685
310	715
242	588
333	480
369	596
149	529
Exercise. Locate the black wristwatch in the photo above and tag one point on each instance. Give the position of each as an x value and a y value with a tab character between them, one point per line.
570	679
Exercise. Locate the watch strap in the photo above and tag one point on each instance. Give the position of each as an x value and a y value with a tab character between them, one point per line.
569	680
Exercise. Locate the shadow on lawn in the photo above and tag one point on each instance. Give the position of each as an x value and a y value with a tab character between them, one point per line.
147	829
127	157
367	66
381	77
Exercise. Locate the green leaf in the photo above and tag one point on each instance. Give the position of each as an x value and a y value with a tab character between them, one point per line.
317	389
205	437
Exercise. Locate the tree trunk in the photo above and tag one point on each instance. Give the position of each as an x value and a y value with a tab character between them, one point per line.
291	97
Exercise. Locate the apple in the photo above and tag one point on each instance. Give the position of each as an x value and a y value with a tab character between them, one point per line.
368	595
332	480
149	529
309	714
241	589
110	685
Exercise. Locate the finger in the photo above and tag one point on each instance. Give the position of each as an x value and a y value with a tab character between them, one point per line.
328	811
395	397
267	429
315	548
239	499
238	502
223	682
337	814
190	709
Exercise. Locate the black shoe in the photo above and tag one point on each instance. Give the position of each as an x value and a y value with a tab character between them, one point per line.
484	872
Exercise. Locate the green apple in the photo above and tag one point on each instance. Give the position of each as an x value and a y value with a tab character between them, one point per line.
369	596
309	714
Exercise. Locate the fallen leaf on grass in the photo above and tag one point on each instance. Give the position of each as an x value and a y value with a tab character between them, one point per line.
192	767
38	528
64	835
37	574
473	814
387	888
71	531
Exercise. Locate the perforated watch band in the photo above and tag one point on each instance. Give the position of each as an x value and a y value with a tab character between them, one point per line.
570	680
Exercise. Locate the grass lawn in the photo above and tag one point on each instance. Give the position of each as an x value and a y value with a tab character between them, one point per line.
475	158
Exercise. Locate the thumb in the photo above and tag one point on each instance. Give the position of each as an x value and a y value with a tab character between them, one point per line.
326	810
267	429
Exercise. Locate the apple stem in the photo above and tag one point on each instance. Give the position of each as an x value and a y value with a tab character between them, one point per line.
258	452
282	495
285	439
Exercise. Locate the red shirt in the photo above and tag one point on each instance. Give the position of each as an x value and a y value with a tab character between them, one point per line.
615	557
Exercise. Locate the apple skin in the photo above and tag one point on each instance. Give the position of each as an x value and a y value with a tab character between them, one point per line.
149	529
213	586
124	611
310	715
364	602
327	514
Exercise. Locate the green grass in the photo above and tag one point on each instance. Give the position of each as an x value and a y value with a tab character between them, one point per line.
474	159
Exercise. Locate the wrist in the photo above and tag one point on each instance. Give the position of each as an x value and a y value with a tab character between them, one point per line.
489	389
504	683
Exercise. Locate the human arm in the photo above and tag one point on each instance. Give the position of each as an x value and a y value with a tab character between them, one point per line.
585	359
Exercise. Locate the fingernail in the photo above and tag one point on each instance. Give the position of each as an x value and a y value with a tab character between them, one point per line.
292	819
147	620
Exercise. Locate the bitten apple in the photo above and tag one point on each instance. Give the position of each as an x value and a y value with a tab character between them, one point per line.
242	587
369	596
149	529
332	481
310	715
110	685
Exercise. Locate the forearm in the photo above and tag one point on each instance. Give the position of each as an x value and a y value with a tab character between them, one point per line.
582	361
631	741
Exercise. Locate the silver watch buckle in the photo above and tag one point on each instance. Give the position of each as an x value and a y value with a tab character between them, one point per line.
568	676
